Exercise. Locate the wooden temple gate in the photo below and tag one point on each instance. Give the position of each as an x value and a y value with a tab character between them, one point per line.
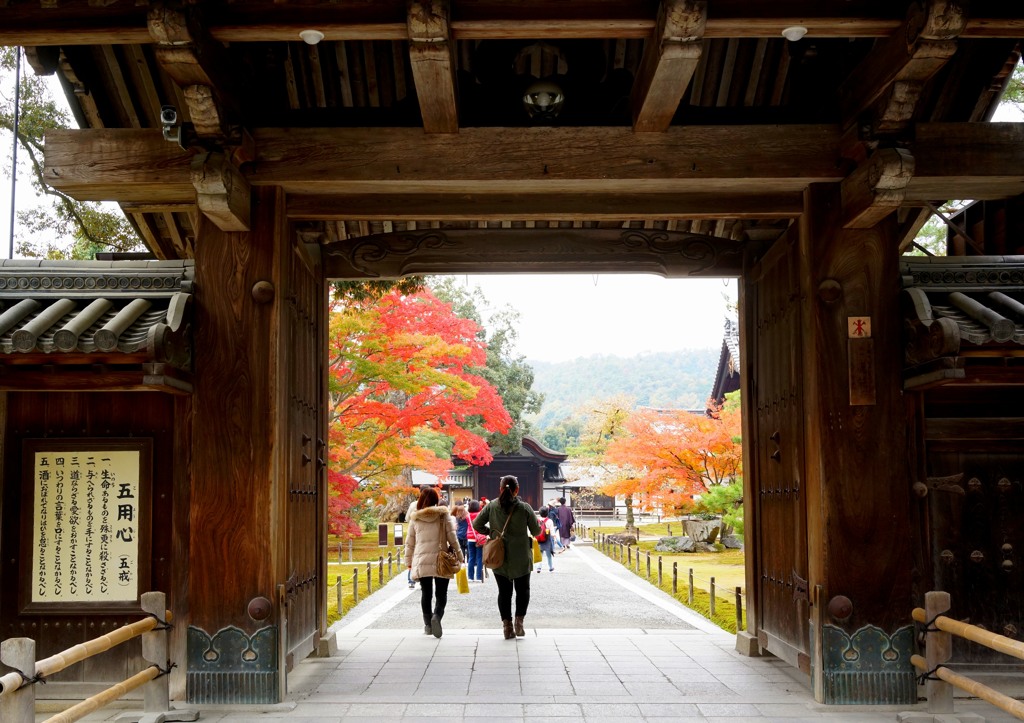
683	138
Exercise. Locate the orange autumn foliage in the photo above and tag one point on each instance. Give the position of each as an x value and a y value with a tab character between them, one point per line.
668	456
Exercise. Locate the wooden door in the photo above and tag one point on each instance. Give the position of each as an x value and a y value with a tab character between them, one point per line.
977	531
776	414
302	366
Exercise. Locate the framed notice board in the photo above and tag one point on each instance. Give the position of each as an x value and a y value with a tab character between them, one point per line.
86	524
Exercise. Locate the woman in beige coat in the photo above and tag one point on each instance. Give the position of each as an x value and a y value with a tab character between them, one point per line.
430	527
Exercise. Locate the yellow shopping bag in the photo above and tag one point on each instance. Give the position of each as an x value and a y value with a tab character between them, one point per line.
536	551
462	581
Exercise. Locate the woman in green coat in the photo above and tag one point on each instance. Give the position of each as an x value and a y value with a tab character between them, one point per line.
515	571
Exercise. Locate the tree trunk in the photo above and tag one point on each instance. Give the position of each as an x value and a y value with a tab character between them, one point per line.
630	522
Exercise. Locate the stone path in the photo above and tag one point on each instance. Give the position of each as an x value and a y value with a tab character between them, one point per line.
601	645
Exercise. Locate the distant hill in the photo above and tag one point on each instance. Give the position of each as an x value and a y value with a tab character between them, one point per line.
681	379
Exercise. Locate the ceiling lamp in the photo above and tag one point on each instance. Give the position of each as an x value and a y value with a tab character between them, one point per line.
794	32
311	37
543	100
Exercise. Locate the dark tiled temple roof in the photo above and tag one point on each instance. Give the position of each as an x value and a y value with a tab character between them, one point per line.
963	320
139	308
727	378
982	295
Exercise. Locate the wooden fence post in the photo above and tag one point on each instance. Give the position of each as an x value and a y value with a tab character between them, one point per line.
669	528
629	554
648	565
638	559
659	570
369	578
938	649
712	598
340	595
739	610
690	596
355	585
19	654
390	560
380	571
156	693
675	578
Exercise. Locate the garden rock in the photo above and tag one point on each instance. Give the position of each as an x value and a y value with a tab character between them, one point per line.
675	544
622	538
732	542
702	530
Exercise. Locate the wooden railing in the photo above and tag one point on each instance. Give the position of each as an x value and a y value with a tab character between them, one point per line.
17	689
940	680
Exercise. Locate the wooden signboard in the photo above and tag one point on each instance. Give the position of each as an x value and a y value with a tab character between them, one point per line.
85	524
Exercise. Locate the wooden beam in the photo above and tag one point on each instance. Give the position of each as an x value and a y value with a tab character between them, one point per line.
542	207
433	64
670	254
222	192
876	188
670	56
125	23
894	73
121	165
966	161
952	160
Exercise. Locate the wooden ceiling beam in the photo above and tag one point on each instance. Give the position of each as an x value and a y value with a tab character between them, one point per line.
953	160
542	207
433	64
671	254
891	78
670	57
81	23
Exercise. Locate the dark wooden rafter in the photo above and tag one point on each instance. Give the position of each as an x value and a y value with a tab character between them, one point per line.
890	80
665	253
670	58
197	64
433	64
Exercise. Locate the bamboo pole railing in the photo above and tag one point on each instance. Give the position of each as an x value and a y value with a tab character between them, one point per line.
17	690
940	680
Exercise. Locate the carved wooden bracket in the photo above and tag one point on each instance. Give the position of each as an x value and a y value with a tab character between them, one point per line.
222	192
670	254
876	188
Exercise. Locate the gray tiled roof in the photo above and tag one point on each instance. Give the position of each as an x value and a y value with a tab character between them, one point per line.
982	295
85	307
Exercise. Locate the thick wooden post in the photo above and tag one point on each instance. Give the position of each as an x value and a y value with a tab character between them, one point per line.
857	477
236	548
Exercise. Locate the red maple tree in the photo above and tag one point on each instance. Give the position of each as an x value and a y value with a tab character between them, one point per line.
402	366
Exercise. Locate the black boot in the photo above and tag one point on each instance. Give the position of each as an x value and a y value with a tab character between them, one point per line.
435	626
426	625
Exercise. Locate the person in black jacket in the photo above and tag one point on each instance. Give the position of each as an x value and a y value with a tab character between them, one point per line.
566	520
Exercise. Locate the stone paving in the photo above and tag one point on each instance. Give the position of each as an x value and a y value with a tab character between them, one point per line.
601	645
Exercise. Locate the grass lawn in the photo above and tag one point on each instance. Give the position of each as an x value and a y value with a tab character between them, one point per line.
727	567
364	549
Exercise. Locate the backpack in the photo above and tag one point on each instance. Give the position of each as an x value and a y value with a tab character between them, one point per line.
542	536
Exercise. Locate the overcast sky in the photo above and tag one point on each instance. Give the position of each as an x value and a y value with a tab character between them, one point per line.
567	316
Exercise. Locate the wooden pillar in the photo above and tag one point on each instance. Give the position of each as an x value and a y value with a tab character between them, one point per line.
234	639
857	476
